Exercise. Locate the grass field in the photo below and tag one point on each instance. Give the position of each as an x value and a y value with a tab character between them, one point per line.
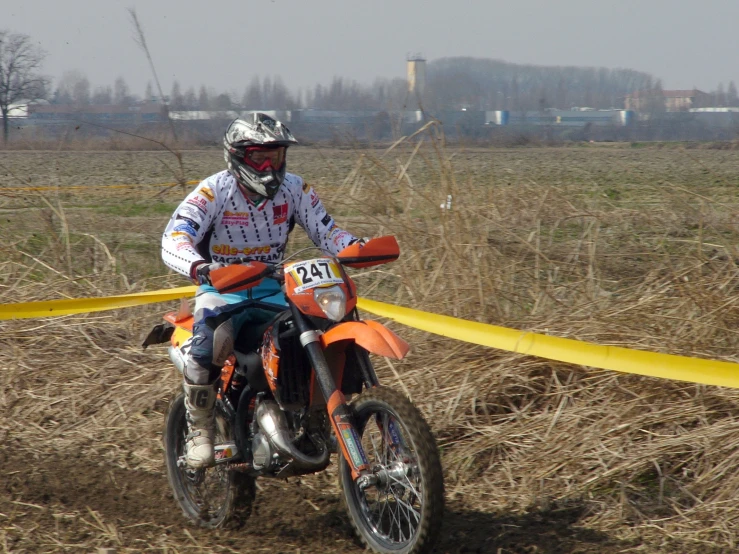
612	244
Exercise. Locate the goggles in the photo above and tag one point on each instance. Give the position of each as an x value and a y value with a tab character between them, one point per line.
263	158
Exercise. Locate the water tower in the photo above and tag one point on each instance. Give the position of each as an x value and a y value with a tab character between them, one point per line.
416	80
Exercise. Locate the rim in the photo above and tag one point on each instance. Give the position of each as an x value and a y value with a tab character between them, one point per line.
392	507
206	490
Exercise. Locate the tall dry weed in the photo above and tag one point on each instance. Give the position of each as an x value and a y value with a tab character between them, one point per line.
637	263
644	265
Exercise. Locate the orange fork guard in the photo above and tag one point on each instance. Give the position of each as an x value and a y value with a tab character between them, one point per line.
370	335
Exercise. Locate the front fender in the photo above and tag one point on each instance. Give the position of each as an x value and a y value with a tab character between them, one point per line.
370	335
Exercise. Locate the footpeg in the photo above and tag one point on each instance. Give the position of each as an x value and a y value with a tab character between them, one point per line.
226	452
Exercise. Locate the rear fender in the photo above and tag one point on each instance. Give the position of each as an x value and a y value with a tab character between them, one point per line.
182	328
370	335
176	330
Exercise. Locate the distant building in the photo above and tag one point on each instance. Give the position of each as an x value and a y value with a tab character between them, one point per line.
19	110
58	113
416	79
576	117
673	100
201	115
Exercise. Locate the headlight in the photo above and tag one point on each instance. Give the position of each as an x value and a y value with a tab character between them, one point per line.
332	301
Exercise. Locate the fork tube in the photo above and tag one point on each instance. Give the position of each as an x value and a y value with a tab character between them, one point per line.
340	414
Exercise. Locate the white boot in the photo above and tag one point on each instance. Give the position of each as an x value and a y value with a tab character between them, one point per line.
199	402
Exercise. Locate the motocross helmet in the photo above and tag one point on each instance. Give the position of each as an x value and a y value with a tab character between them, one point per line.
255	150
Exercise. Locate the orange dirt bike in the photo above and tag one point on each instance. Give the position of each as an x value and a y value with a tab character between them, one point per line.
282	406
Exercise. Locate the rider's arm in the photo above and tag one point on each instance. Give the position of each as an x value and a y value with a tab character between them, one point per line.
320	226
187	227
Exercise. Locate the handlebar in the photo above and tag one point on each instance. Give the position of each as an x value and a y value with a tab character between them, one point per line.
373	252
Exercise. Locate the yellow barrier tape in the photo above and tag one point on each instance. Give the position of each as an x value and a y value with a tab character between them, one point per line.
26	310
77	187
651	364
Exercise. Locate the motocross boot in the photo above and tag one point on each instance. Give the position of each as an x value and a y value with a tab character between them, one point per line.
199	403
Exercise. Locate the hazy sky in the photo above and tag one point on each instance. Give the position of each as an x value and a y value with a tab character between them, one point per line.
224	43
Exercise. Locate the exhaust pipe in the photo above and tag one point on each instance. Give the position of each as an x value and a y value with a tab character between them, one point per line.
274	425
178	359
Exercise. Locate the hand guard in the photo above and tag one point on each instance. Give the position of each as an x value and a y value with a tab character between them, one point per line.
200	273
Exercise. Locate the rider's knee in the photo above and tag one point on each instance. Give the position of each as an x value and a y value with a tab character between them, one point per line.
196	374
209	350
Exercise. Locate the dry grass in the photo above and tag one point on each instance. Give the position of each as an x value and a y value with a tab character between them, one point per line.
617	246
642	265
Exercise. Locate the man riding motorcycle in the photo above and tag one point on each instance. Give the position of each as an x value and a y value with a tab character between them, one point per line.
244	212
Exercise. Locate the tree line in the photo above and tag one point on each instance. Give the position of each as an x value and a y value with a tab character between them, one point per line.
451	84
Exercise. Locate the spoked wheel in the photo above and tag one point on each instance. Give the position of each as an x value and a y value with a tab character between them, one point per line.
210	497
401	508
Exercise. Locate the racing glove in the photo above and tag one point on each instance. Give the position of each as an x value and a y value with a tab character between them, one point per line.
200	271
361	241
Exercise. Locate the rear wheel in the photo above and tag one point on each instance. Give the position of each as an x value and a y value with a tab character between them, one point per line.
210	497
401	511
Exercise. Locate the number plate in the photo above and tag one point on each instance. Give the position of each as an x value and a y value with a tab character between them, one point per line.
310	274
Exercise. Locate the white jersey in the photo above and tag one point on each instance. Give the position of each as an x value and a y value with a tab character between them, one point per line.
217	223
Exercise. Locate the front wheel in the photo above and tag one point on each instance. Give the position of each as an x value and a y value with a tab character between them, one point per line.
401	511
210	497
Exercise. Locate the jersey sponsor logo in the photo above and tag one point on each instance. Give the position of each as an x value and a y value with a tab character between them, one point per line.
319	210
200	203
327	221
207	192
313	199
271	257
180	236
188	221
235	218
185	228
228	250
188	212
341	235
184	244
279	214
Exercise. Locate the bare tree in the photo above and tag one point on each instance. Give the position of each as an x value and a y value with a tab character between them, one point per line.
252	99
176	100
203	99
73	88
102	96
190	99
20	61
121	93
731	96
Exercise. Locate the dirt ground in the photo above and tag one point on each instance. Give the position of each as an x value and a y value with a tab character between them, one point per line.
83	406
65	505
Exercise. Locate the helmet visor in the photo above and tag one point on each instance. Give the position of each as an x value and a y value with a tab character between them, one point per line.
262	158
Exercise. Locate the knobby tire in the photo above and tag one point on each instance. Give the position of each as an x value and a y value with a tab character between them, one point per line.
422	446
237	489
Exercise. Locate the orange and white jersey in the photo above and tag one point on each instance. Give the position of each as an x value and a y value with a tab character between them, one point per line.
216	222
